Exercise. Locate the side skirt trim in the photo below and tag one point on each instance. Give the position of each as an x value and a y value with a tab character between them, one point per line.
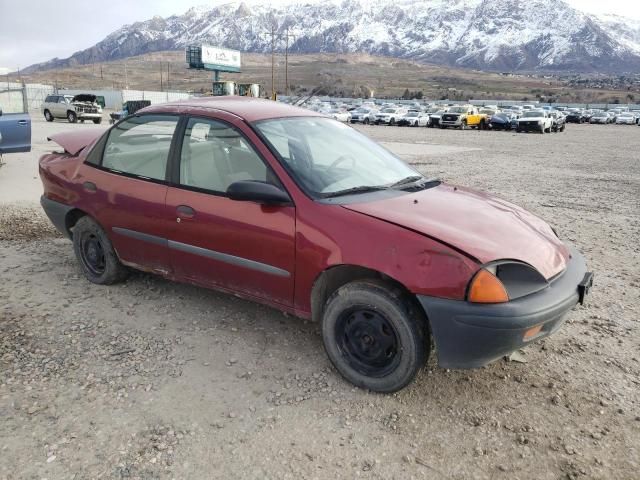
203	252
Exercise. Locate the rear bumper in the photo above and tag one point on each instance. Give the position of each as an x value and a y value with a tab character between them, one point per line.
471	335
57	213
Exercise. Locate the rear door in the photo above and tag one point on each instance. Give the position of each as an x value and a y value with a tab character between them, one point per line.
239	246
127	188
15	132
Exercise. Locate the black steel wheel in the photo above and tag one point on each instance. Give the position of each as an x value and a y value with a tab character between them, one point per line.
367	341
95	254
92	253
374	335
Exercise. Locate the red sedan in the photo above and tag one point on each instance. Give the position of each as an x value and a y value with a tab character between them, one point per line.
303	213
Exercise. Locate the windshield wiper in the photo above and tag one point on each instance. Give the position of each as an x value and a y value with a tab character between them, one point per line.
355	190
406	181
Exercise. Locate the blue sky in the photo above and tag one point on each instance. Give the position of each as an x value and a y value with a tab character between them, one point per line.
33	31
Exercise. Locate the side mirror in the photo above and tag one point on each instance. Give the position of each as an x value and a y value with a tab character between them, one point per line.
260	192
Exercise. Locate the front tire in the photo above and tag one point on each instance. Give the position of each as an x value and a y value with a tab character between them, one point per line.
72	117
97	121
392	122
374	336
95	254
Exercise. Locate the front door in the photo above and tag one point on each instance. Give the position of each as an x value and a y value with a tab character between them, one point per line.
239	246
15	132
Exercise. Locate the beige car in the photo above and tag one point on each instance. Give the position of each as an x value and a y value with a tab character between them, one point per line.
80	107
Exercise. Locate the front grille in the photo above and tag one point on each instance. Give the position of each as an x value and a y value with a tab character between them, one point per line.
449	118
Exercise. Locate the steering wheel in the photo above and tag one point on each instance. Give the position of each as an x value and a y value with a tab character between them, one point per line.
340	160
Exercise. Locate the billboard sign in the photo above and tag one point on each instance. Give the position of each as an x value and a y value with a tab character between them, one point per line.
222	59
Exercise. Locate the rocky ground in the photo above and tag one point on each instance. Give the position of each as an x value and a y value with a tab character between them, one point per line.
156	380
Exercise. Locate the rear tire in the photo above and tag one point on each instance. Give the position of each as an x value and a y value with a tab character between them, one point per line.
392	122
97	121
374	336
72	117
95	254
47	116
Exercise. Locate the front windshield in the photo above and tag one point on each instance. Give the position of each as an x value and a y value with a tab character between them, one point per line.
412	114
533	113
389	110
458	110
326	157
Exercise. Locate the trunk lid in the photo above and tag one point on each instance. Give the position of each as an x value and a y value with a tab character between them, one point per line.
485	227
74	142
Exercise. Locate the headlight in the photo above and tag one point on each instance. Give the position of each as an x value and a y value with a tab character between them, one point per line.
501	281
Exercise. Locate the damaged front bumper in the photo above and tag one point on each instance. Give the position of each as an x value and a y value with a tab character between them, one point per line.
469	335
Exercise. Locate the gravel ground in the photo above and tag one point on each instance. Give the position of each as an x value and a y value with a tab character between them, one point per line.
156	380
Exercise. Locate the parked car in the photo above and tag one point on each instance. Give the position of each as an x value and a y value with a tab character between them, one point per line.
300	212
390	115
79	107
502	121
414	119
434	118
465	116
363	115
534	121
600	118
339	114
558	121
15	132
626	118
128	108
576	115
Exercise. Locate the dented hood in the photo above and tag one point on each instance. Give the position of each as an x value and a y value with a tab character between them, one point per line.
484	227
74	142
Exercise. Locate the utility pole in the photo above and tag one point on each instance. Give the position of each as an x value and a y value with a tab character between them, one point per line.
168	64
272	33
161	87
287	35
101	76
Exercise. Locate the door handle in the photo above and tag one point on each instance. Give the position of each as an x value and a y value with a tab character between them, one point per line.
185	211
89	187
22	122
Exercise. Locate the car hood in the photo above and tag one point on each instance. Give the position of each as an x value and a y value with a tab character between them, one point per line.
484	227
74	142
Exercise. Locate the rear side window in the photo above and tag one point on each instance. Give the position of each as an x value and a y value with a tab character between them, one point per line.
215	155
140	146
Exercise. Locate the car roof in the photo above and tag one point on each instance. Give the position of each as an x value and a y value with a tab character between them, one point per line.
248	108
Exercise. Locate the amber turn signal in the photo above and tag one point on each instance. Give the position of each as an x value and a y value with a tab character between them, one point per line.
486	288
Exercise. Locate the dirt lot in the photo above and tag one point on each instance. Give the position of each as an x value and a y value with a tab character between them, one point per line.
156	380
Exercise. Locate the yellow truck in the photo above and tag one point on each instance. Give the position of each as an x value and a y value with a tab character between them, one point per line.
463	117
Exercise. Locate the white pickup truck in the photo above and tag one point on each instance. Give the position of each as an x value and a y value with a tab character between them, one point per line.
535	121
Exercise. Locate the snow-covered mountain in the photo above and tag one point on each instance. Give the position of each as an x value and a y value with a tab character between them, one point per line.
505	35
